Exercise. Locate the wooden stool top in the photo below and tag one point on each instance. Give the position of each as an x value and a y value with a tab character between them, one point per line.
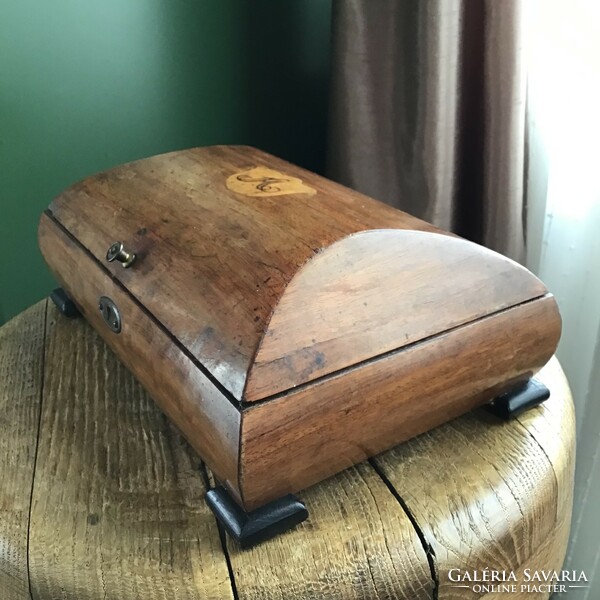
101	497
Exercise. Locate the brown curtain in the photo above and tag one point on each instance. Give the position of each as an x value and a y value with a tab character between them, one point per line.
428	112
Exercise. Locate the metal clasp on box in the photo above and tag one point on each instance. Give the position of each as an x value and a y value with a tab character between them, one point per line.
118	252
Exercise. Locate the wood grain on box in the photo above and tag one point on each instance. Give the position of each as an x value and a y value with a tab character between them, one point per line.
356	415
181	389
291	336
212	264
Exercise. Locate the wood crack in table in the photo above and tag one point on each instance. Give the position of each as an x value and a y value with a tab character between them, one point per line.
101	497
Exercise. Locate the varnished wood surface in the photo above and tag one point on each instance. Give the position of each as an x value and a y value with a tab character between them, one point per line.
377	291
212	263
209	421
286	444
297	440
310	297
269	290
117	512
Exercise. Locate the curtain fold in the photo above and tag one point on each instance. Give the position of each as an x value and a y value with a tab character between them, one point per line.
428	112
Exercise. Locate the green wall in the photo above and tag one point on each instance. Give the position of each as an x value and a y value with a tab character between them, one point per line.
88	85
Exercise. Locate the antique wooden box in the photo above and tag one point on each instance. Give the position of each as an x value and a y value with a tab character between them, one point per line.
289	326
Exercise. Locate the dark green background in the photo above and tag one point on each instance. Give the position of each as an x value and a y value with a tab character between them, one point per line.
88	85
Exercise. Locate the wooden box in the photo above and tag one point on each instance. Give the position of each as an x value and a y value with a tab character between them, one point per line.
289	326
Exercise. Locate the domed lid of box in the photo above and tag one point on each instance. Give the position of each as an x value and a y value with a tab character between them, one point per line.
270	277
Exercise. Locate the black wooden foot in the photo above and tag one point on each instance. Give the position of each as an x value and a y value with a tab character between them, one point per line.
64	303
513	403
251	528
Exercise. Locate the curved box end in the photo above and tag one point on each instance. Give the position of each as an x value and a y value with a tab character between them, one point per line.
374	292
301	437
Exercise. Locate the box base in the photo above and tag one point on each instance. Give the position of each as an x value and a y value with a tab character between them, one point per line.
513	403
251	528
64	303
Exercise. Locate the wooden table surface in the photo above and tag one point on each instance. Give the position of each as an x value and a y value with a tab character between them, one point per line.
102	499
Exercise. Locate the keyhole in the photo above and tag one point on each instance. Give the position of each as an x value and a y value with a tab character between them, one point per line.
110	313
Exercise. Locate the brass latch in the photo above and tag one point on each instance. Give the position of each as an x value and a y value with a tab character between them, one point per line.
117	252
